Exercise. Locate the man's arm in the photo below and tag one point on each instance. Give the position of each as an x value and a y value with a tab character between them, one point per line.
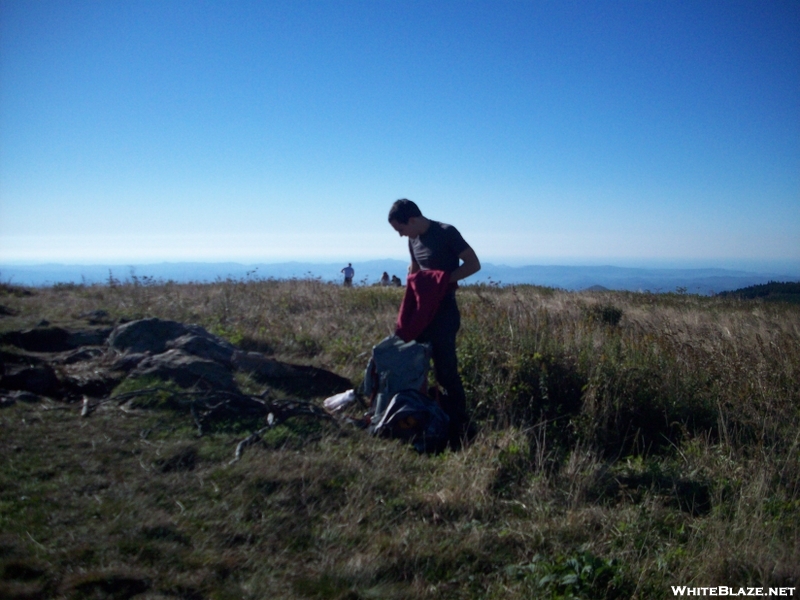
470	265
413	267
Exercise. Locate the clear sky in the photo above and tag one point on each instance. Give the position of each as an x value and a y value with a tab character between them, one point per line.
546	131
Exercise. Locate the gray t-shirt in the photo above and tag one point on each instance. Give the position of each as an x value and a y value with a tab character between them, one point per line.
438	248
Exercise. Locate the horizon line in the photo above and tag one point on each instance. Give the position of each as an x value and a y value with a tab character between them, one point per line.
512	263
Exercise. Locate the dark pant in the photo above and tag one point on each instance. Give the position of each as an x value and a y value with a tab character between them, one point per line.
441	334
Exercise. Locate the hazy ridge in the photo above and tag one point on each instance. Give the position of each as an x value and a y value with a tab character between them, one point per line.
694	280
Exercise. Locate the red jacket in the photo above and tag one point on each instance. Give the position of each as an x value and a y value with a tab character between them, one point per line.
424	292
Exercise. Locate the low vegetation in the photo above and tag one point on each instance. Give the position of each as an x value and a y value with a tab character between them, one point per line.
626	443
774	291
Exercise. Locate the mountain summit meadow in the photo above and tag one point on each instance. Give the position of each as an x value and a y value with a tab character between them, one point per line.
626	443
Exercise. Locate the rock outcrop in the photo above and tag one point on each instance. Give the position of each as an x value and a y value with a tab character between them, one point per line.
187	371
65	365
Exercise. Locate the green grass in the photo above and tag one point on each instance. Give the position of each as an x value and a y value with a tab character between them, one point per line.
627	443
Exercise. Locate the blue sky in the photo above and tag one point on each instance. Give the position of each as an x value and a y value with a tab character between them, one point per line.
622	132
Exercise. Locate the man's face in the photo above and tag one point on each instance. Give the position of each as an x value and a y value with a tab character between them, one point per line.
405	229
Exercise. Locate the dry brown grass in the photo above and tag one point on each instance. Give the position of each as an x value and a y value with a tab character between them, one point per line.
653	446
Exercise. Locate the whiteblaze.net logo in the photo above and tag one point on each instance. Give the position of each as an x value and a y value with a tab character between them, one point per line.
723	590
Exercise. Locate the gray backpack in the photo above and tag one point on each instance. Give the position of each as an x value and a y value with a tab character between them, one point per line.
415	418
396	382
395	366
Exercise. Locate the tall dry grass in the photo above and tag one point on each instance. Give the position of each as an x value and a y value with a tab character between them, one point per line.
627	442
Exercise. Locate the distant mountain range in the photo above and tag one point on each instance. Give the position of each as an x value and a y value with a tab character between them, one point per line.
693	281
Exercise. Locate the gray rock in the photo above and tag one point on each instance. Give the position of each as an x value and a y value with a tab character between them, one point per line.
39	379
40	339
128	361
21	396
83	380
204	346
186	370
146	335
54	339
156	336
79	355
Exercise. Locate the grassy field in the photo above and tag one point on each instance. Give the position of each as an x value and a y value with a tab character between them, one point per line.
627	443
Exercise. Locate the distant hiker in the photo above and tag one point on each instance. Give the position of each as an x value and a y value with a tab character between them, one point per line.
349	272
385	279
436	246
396	281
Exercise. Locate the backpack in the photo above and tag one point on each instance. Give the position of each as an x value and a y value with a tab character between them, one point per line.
416	418
396	382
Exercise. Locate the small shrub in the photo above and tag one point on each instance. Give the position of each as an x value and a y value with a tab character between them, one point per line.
605	314
582	575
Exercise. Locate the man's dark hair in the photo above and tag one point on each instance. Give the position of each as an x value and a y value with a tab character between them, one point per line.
403	210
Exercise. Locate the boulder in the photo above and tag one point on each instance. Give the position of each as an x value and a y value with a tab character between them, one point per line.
186	370
80	355
128	361
157	335
204	346
146	335
9	398
39	339
93	361
54	339
14	358
83	380
38	379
